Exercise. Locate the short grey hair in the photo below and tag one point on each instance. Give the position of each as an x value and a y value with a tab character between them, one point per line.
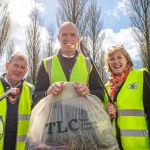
19	55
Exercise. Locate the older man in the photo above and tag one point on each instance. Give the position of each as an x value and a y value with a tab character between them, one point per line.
16	107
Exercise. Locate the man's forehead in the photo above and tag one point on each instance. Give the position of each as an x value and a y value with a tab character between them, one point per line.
69	32
68	29
18	60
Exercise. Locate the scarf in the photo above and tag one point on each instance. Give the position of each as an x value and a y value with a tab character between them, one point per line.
115	81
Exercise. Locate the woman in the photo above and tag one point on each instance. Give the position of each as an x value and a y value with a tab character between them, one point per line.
130	92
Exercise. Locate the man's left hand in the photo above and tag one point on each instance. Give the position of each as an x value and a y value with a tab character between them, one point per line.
81	88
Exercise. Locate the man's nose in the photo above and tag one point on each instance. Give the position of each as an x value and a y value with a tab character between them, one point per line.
19	69
69	37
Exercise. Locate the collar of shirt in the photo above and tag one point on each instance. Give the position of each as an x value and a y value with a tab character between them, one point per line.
9	83
68	56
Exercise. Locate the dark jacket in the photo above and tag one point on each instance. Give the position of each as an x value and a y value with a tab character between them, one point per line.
146	97
42	80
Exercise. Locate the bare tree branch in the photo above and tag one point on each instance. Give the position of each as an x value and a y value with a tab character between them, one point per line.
5	25
50	39
10	49
33	42
74	11
95	39
139	14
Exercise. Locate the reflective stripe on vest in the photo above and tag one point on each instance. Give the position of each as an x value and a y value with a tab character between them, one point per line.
81	67
24	110
129	112
23	117
134	133
21	138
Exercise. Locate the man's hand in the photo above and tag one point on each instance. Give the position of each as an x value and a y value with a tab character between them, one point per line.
81	88
56	88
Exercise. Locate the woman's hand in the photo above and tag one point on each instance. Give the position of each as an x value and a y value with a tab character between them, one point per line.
111	110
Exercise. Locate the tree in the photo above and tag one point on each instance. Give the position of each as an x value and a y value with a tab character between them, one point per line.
5	25
33	42
50	39
10	49
95	38
74	11
139	14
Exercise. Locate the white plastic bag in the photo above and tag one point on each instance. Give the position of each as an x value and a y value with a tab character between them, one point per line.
70	121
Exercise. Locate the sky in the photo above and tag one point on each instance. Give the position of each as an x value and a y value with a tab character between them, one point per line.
116	24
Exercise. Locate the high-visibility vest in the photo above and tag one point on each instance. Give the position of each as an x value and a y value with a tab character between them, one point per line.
131	118
24	111
79	73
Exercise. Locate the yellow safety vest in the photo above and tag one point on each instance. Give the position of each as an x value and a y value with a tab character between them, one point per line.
24	111
131	116
79	73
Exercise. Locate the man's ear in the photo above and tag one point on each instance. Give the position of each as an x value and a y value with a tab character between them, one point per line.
7	65
26	69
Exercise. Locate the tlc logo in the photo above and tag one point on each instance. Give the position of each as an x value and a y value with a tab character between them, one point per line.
73	125
58	125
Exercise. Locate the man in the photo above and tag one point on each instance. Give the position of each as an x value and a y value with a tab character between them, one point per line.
68	65
16	107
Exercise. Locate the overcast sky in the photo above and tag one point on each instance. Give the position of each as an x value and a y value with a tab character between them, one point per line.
116	24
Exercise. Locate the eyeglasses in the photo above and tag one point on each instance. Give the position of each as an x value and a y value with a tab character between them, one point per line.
116	47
